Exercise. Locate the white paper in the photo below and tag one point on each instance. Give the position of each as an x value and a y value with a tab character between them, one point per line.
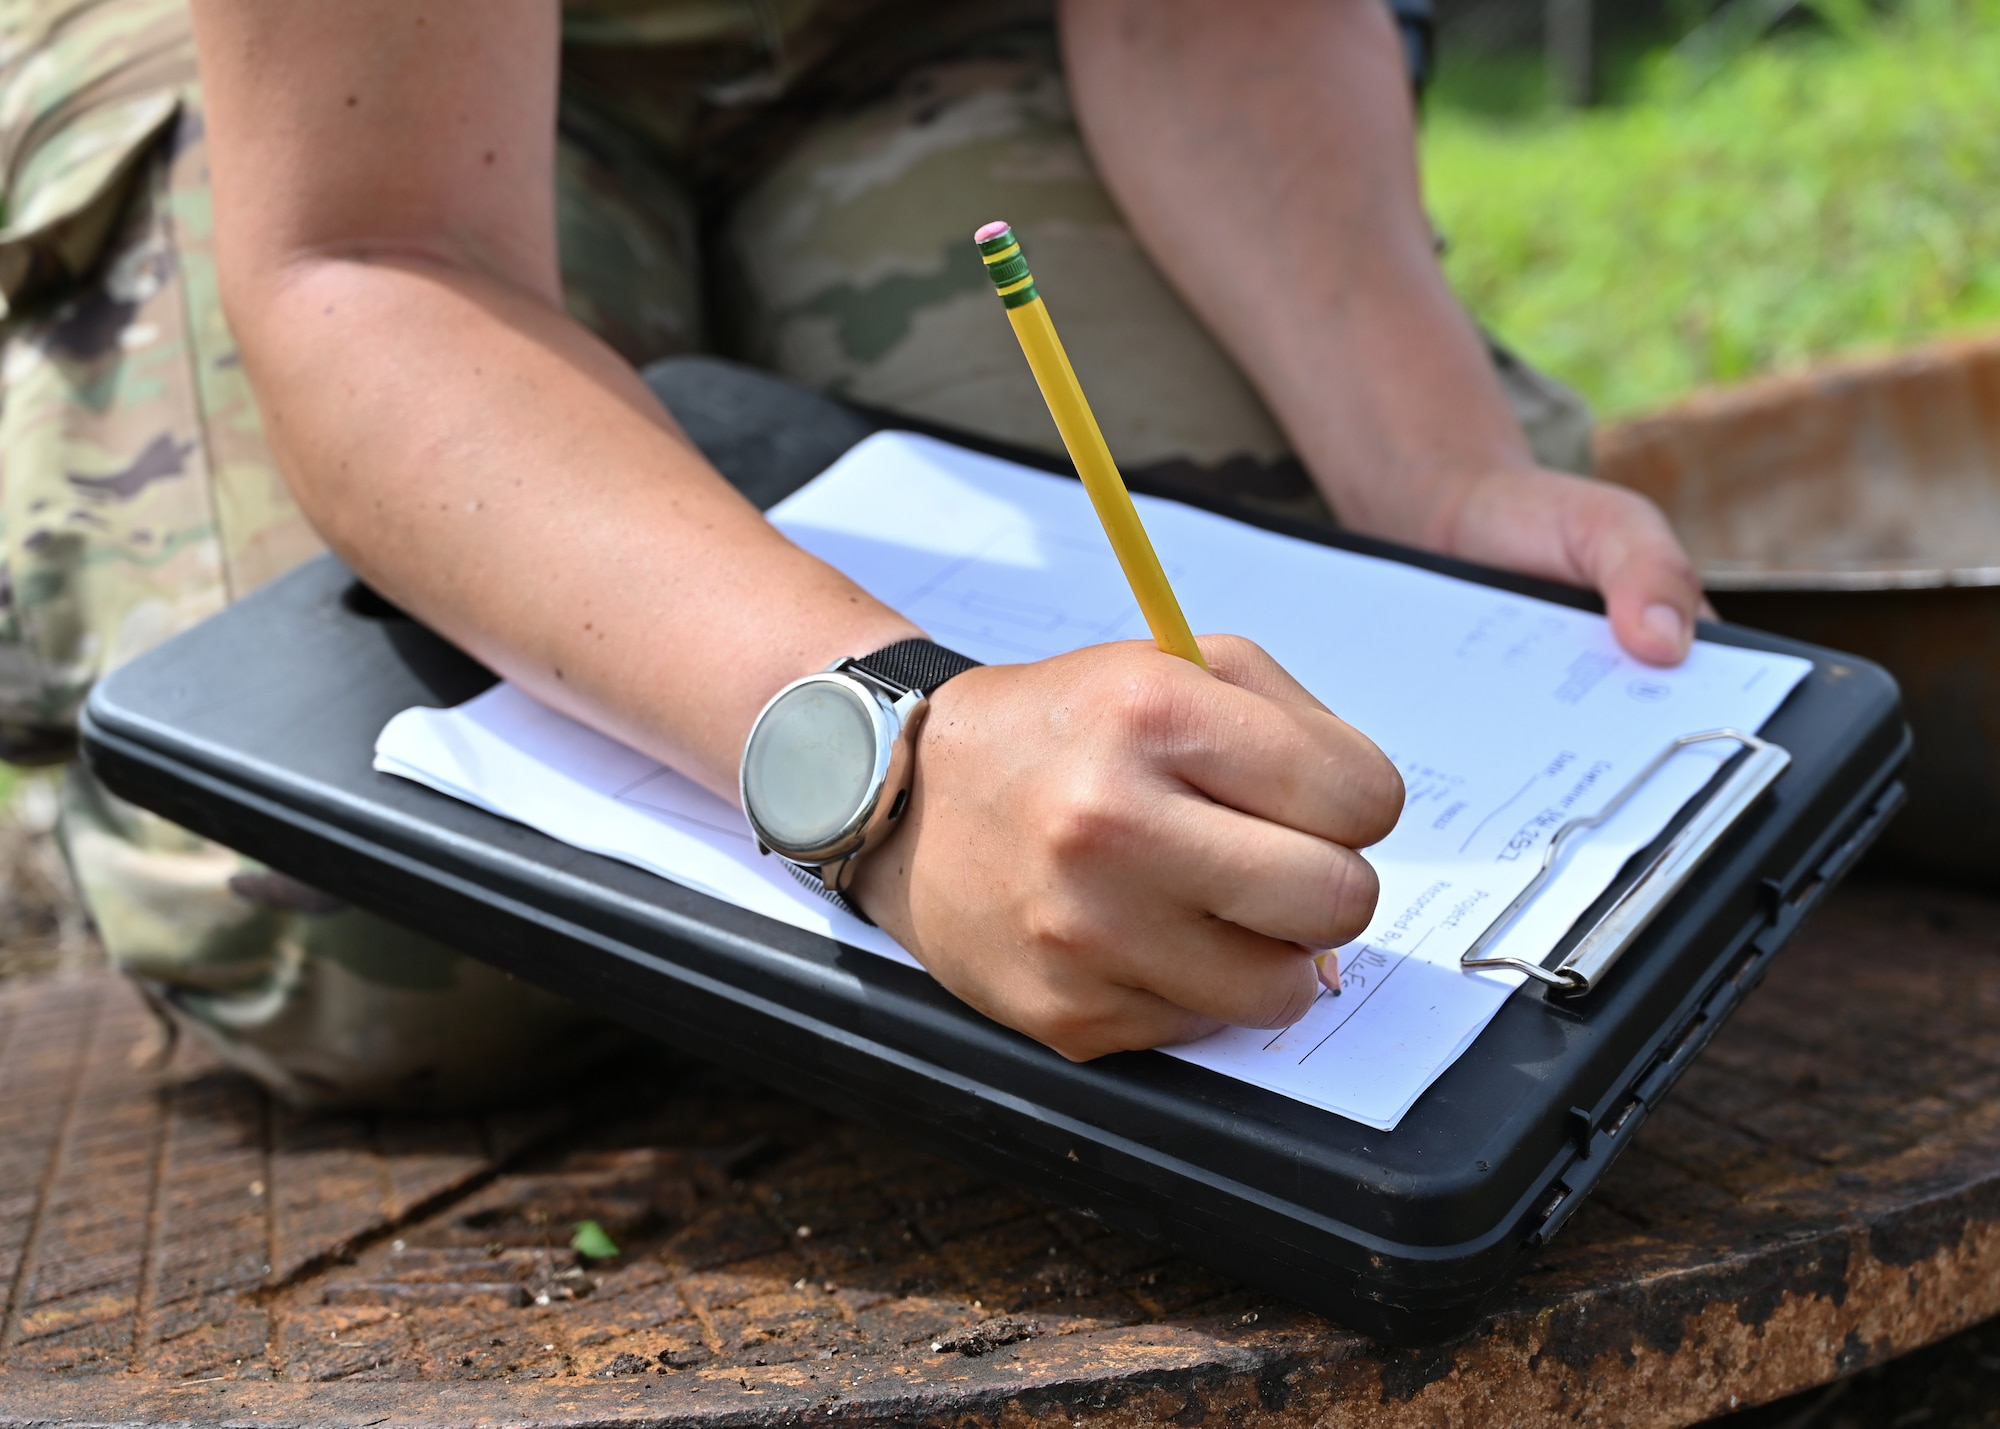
1507	715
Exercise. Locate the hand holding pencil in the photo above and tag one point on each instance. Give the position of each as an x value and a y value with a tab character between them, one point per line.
1111	849
1108	849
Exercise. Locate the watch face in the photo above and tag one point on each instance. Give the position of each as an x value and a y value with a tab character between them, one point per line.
810	765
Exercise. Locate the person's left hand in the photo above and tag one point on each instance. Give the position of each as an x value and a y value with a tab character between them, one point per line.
1588	533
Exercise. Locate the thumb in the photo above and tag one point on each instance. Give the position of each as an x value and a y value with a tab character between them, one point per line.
1585	532
1651	591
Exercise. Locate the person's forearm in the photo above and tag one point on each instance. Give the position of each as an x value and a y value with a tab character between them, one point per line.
1264	153
386	242
486	464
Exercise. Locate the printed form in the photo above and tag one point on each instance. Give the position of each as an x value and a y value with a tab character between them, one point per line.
1508	717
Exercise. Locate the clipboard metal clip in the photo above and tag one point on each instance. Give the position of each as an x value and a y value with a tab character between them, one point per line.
1594	953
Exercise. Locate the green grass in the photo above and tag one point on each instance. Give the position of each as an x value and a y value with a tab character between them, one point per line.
1827	192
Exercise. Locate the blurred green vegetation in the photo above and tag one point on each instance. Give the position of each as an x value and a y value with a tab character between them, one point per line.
1740	206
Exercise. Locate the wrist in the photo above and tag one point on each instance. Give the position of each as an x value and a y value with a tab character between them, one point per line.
1408	486
882	885
828	768
1392	402
1457	504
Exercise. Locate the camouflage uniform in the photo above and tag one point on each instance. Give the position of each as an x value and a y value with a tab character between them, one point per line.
839	152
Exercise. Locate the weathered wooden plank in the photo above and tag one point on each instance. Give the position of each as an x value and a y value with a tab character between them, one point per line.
80	1278
1823	1193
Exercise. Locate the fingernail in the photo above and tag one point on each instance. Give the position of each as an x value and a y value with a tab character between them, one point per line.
1665	622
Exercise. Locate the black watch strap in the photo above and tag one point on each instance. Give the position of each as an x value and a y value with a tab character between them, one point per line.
811	879
916	664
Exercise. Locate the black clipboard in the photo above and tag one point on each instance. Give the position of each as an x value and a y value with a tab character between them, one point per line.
256	728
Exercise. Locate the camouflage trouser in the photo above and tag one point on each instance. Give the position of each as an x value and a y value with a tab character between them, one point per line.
137	494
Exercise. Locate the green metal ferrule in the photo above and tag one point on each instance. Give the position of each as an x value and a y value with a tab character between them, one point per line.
1020	297
1008	270
999	244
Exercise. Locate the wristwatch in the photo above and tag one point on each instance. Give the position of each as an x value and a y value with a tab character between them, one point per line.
827	767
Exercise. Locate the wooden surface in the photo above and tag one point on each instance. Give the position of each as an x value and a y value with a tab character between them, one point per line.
1821	1193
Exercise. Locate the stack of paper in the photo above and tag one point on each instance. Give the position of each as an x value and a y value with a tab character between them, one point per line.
1508	717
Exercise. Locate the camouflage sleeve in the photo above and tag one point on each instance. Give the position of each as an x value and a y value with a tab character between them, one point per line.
137	492
87	87
119	385
137	495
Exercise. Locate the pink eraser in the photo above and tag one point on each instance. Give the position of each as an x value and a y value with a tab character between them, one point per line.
991	230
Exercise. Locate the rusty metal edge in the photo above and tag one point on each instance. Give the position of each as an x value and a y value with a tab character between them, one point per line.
1832	377
1618	442
1732	577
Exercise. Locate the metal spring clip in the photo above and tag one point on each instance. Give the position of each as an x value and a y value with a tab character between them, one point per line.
1669	871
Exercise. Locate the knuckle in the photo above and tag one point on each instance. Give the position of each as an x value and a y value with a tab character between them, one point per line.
1229	653
1383	797
1681	569
1288	998
1373	795
1077	1031
1152	706
1088	821
1353	888
1641	521
1058	928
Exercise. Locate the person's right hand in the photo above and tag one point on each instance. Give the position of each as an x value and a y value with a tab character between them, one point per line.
1113	850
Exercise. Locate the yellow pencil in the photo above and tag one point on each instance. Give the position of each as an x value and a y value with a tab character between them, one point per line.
1046	359
1085	443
